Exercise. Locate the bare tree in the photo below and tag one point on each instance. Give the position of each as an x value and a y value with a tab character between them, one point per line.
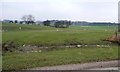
24	18
28	19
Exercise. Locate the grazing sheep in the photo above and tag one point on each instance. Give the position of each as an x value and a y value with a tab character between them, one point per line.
67	46
102	45
86	45
40	50
35	51
24	45
46	47
20	28
79	46
57	30
98	45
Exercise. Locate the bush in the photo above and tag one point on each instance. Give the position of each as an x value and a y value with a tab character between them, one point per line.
9	46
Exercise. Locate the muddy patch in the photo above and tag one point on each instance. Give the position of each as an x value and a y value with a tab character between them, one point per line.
29	48
12	47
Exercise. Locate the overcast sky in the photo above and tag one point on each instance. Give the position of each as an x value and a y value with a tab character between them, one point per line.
76	10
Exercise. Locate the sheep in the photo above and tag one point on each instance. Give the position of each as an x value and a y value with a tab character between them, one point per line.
57	30
79	46
35	51
98	45
20	28
24	45
86	45
67	46
40	50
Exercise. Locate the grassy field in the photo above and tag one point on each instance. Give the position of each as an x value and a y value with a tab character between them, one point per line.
41	35
17	61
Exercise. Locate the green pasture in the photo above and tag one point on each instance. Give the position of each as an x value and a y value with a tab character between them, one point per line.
41	35
17	61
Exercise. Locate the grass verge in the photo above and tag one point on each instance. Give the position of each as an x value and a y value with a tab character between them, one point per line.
17	61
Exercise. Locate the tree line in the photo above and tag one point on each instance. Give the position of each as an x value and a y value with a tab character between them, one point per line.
57	24
29	19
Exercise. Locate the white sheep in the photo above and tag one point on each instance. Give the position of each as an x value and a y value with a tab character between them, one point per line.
86	45
24	45
79	45
57	30
35	51
67	46
40	50
20	28
98	45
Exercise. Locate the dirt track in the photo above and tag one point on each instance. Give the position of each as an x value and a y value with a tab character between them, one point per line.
84	66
